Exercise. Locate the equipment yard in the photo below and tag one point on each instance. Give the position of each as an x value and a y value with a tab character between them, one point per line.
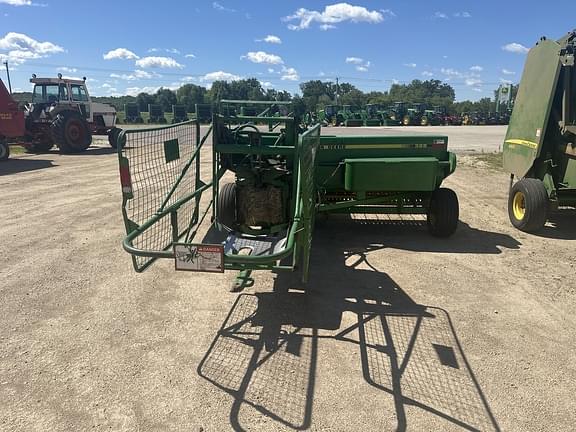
398	330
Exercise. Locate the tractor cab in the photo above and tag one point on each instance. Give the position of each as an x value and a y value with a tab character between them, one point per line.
51	95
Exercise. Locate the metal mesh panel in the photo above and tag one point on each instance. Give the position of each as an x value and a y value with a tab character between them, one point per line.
155	159
308	147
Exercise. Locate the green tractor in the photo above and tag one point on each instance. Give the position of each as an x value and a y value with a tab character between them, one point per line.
328	116
374	115
540	144
257	208
350	116
415	116
396	113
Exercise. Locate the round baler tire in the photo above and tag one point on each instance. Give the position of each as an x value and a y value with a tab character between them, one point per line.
4	151
528	205
443	213
227	205
71	133
113	135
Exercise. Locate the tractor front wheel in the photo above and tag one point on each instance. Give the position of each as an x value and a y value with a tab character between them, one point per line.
443	213
70	132
528	205
4	151
226	206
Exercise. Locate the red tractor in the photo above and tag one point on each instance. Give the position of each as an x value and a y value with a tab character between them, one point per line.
61	113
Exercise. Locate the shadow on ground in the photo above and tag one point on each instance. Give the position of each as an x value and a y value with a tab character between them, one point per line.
266	353
18	165
561	225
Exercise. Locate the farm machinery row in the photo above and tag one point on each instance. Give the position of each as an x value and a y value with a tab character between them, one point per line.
61	114
156	115
401	114
270	179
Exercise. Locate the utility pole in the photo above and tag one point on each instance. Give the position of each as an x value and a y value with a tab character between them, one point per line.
337	90
8	74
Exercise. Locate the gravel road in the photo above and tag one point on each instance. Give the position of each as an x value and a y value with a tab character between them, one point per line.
399	331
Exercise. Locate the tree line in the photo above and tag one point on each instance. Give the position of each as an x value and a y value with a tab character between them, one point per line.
314	95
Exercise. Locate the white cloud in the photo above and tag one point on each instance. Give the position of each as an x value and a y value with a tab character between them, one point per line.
220	76
67	69
20	3
427	74
515	48
138	74
462	15
451	72
289	74
410	65
134	91
106	85
508	72
266	84
354	60
120	53
334	14
270	39
190	56
263	57
473	82
221	8
505	81
271	70
153	50
361	68
477	68
21	47
326	27
158	62
440	15
173	51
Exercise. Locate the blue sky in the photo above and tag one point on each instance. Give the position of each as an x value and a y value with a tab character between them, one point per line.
124	47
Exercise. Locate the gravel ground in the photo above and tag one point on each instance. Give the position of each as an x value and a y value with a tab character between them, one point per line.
399	331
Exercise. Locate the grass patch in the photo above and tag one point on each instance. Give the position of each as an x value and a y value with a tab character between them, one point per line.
14	150
492	160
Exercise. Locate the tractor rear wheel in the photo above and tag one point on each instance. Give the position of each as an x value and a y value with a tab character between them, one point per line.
406	121
70	132
4	151
226	207
443	213
528	205
113	137
424	121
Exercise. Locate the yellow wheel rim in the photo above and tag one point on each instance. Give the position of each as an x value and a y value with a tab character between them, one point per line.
519	205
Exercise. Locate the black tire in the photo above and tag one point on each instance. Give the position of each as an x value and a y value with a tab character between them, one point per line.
528	205
162	120
443	213
4	151
70	132
113	135
139	120
227	205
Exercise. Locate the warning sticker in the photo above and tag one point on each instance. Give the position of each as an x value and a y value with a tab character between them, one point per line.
199	257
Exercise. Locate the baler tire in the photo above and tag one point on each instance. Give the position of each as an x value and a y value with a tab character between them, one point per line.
63	136
113	137
4	151
443	213
226	206
528	205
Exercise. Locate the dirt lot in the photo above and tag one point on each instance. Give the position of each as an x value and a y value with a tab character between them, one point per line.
399	331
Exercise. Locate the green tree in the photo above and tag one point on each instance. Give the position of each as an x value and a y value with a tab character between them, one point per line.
166	98
189	95
143	100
